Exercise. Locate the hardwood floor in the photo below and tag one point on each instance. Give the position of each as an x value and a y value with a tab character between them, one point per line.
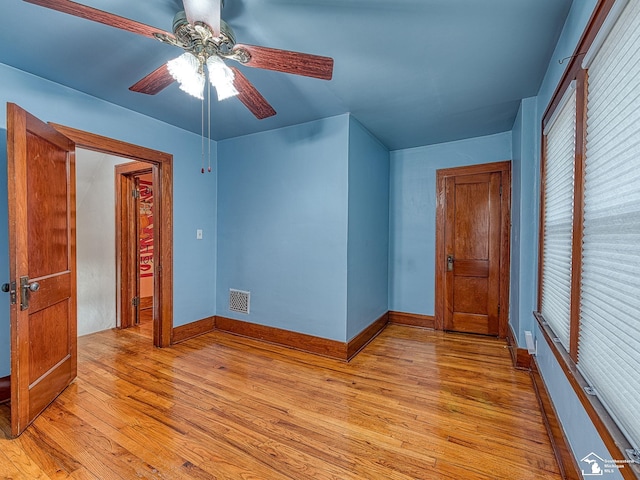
145	324
414	404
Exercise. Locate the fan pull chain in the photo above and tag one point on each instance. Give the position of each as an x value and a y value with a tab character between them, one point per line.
209	121
208	94
202	134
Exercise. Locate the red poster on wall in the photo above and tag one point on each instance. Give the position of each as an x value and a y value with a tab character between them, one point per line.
146	228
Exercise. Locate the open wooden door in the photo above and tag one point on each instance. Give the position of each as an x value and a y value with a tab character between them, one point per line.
128	199
41	189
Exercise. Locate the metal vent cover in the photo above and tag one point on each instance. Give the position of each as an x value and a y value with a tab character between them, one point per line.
239	301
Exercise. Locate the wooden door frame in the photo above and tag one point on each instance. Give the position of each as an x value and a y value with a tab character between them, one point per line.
127	238
505	238
163	192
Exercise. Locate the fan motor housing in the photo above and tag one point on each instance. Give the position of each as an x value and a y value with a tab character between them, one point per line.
194	38
179	20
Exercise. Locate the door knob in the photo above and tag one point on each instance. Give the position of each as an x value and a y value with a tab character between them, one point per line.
27	288
10	288
449	263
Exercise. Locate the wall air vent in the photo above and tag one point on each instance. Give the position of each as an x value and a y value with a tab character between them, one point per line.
239	301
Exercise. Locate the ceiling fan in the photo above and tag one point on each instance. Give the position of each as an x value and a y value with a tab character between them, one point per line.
207	41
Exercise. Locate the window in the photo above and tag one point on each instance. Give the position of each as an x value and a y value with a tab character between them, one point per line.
609	355
589	293
557	207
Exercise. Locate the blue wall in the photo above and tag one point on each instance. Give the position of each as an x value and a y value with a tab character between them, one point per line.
412	214
282	226
516	189
524	211
194	193
303	225
368	230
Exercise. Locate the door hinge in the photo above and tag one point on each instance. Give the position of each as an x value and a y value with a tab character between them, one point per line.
498	309
500	189
135	193
135	301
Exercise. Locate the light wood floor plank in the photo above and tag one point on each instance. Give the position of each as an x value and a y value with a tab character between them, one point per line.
15	464
414	404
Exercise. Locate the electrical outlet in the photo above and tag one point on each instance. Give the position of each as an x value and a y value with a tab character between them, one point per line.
199	234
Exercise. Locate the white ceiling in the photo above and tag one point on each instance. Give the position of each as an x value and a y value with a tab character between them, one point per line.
413	72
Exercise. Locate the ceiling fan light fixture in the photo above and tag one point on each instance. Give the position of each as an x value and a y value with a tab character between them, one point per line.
221	77
226	90
186	70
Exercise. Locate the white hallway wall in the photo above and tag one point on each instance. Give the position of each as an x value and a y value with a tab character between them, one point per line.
95	240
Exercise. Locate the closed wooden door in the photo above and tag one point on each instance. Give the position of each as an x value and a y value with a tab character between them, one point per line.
41	190
472	252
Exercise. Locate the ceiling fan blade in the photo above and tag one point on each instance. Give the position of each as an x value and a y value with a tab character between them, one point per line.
251	97
287	61
155	82
206	11
100	16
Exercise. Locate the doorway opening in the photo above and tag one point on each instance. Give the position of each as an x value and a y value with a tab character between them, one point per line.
161	166
135	234
144	247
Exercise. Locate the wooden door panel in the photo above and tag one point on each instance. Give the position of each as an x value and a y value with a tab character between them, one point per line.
46	180
470	323
471	228
471	295
40	393
53	289
471	268
472	240
46	352
41	191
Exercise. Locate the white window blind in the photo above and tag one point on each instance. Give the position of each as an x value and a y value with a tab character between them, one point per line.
609	352
560	134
